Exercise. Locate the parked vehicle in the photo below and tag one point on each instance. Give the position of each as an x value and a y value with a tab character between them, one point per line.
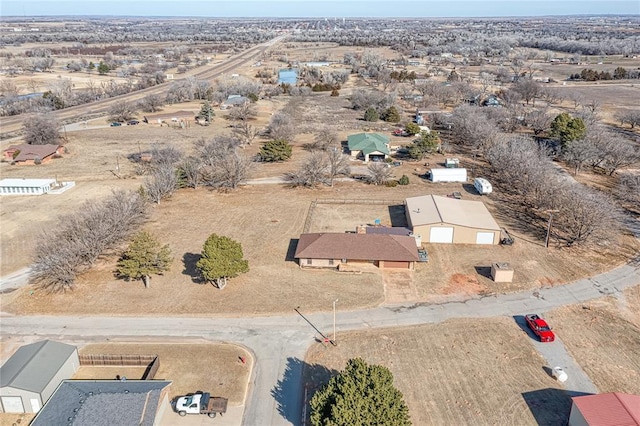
132	122
115	124
456	194
483	186
540	327
201	403
505	237
423	255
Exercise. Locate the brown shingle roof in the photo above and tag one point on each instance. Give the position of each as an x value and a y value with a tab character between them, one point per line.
357	247
31	152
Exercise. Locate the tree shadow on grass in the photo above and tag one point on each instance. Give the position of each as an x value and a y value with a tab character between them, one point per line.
298	384
189	261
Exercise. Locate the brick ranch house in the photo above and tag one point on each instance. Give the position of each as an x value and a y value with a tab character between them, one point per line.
25	154
329	250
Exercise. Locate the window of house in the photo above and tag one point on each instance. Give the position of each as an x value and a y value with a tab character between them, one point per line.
330	262
308	261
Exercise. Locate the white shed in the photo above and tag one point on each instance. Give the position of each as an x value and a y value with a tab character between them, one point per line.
448	175
26	186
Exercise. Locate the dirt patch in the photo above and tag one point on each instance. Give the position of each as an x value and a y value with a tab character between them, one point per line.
604	337
464	284
442	369
208	367
16	419
399	287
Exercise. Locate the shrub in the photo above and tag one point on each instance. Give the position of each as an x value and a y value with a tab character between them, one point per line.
404	180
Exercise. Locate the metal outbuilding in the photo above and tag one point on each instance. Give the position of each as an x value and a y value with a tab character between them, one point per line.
33	373
448	220
607	409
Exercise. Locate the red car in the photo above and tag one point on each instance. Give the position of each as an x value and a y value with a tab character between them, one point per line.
540	328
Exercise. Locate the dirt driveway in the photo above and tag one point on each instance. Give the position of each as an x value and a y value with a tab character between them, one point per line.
399	287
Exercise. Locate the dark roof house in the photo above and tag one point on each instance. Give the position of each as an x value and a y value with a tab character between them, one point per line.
106	403
32	154
385	250
32	374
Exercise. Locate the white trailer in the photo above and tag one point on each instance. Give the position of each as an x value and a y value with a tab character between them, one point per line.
448	175
483	186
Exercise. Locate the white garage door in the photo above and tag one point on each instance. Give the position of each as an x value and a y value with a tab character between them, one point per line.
484	238
441	235
12	404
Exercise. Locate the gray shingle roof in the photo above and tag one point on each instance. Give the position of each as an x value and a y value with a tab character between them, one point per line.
102	403
33	366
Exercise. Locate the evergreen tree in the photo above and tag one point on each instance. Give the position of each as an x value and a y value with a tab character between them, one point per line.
371	114
391	115
206	112
404	180
145	256
360	395
412	129
426	144
567	129
221	258
103	68
275	150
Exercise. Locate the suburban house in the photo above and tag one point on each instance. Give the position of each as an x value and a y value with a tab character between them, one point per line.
607	409
439	219
329	250
32	154
234	101
32	374
106	402
170	118
368	146
288	76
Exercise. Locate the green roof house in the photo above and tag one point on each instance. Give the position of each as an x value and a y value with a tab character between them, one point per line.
368	146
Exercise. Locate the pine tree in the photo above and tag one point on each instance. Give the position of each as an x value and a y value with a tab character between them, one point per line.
206	112
426	144
143	257
391	115
275	150
103	68
567	128
361	394
221	258
371	114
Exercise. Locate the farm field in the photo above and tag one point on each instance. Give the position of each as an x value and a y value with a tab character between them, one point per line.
480	372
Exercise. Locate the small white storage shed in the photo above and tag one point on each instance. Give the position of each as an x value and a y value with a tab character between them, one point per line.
448	175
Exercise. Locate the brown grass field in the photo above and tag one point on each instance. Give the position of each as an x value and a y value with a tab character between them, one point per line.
604	338
481	372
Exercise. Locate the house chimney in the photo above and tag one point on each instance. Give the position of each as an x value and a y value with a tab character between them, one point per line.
361	229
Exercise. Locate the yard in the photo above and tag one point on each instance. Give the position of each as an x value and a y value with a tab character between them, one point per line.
604	338
481	372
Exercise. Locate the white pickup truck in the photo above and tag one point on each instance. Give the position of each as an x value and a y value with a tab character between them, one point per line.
201	403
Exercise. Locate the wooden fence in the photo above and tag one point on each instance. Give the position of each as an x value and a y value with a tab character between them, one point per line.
151	362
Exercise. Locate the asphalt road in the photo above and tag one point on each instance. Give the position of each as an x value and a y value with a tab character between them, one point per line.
279	343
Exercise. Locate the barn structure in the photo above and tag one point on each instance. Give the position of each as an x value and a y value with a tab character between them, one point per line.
607	409
106	402
448	220
33	373
329	250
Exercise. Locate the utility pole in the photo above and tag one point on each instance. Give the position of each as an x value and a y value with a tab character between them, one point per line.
546	240
334	321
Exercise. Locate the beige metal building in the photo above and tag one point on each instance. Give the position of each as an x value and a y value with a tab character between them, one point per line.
448	220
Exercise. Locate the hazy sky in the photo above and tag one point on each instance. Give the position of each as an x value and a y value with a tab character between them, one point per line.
318	8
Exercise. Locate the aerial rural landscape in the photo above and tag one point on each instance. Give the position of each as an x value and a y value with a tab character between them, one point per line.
320	221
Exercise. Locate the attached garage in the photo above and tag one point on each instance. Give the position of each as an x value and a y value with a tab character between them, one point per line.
396	265
441	234
447	220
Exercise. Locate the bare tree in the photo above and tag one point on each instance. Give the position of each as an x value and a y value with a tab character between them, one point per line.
379	173
619	153
244	112
245	131
629	189
75	242
151	103
539	120
41	130
579	153
282	127
325	138
162	183
312	172
630	117
223	165
121	111
338	164
191	171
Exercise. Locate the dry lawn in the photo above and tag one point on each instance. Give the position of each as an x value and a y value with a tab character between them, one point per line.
604	338
208	367
481	372
16	419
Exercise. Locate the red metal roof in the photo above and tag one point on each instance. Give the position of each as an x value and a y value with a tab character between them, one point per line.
609	409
